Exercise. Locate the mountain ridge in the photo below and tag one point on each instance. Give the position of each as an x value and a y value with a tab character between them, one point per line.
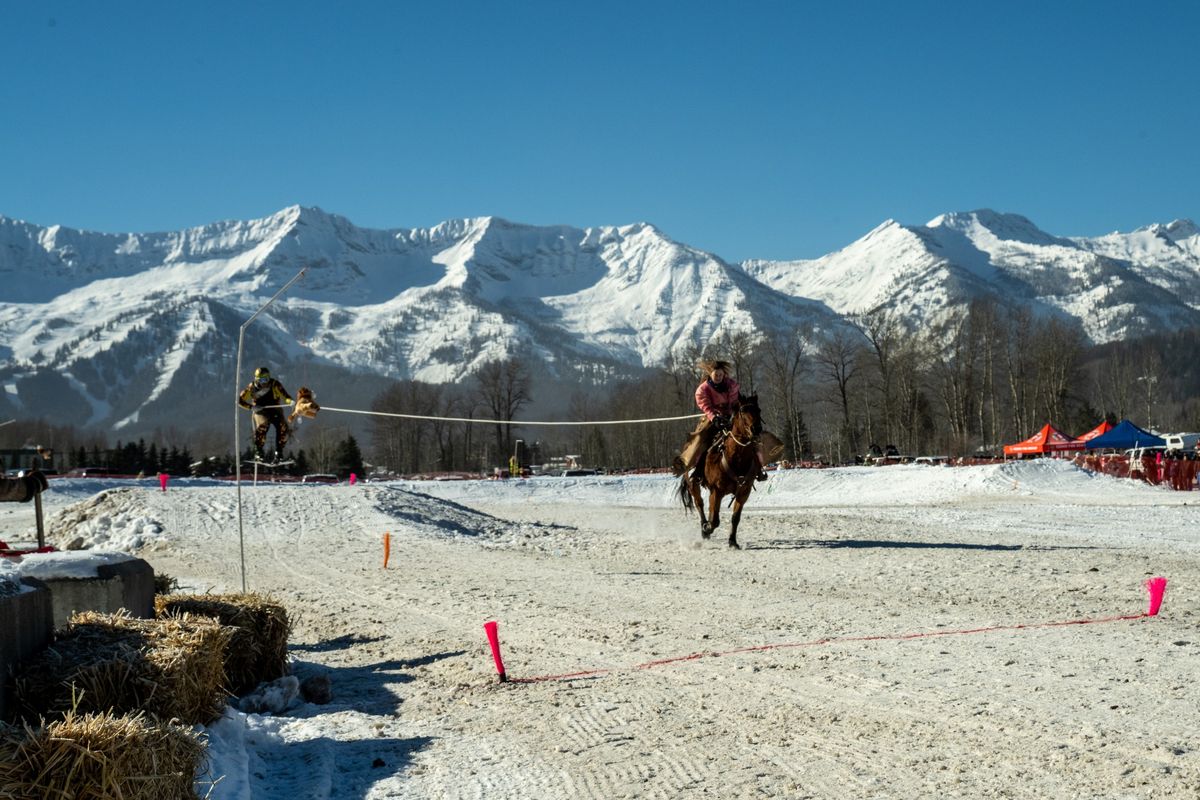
125	325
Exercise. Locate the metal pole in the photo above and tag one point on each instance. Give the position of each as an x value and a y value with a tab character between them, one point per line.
41	530
237	435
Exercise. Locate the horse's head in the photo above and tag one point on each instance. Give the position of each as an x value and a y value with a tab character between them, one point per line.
747	418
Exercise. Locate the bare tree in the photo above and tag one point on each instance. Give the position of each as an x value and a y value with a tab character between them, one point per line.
955	371
837	360
884	334
911	367
1018	367
406	445
1114	383
1058	346
985	322
503	388
784	364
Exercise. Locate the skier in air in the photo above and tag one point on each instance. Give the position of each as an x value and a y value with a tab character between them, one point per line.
264	396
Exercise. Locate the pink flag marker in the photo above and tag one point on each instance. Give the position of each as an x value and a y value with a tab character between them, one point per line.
493	635
162	480
353	478
1156	586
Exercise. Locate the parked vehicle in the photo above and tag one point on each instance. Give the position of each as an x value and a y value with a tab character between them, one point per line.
1182	442
89	472
319	477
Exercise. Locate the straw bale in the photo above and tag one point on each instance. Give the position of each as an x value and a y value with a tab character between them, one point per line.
170	668
100	757
258	650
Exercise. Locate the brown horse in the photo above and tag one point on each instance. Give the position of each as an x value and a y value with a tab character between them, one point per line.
729	467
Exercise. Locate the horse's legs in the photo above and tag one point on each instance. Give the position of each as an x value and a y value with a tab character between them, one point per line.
693	485
738	502
714	509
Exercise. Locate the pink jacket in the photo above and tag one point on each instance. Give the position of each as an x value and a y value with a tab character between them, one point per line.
713	402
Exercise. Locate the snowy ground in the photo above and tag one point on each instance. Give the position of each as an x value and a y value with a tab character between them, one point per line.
608	574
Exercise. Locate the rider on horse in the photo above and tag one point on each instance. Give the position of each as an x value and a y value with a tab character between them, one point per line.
717	396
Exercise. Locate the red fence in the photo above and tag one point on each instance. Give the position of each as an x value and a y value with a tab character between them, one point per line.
1178	473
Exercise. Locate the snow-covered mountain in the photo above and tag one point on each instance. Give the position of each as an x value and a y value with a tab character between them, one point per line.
127	330
135	331
1116	286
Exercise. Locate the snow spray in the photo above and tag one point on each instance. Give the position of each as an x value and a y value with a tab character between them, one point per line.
162	480
494	640
387	547
353	478
1156	586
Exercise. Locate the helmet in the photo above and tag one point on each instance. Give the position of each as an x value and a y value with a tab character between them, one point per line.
262	374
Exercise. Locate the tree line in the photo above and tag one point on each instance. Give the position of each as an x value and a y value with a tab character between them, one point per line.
989	375
66	447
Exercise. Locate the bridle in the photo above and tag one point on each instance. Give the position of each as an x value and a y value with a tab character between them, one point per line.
726	467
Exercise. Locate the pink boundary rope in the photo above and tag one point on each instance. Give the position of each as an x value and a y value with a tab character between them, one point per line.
895	637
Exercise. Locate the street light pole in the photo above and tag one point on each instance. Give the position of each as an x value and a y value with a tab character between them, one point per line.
1151	381
237	435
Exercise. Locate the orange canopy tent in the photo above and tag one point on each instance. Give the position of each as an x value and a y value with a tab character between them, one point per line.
1048	440
1099	430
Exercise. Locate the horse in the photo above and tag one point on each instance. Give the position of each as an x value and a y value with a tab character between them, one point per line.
729	468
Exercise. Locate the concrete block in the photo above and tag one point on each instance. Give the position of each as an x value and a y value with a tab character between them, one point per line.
26	627
126	584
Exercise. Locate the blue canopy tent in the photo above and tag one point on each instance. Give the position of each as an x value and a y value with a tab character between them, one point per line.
1124	436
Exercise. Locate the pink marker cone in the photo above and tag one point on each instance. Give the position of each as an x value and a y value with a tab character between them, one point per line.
493	635
1156	586
162	480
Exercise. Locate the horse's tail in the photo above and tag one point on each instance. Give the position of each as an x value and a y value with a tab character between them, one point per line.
685	496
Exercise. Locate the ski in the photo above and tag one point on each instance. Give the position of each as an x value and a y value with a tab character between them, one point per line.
273	463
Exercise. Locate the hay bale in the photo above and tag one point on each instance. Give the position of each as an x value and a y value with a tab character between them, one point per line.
170	668
258	650
98	757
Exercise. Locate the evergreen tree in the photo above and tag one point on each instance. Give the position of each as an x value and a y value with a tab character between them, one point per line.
348	458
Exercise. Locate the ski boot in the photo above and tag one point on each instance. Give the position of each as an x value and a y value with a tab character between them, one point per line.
259	455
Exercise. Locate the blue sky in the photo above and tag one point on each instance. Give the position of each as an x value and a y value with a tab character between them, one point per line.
752	130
